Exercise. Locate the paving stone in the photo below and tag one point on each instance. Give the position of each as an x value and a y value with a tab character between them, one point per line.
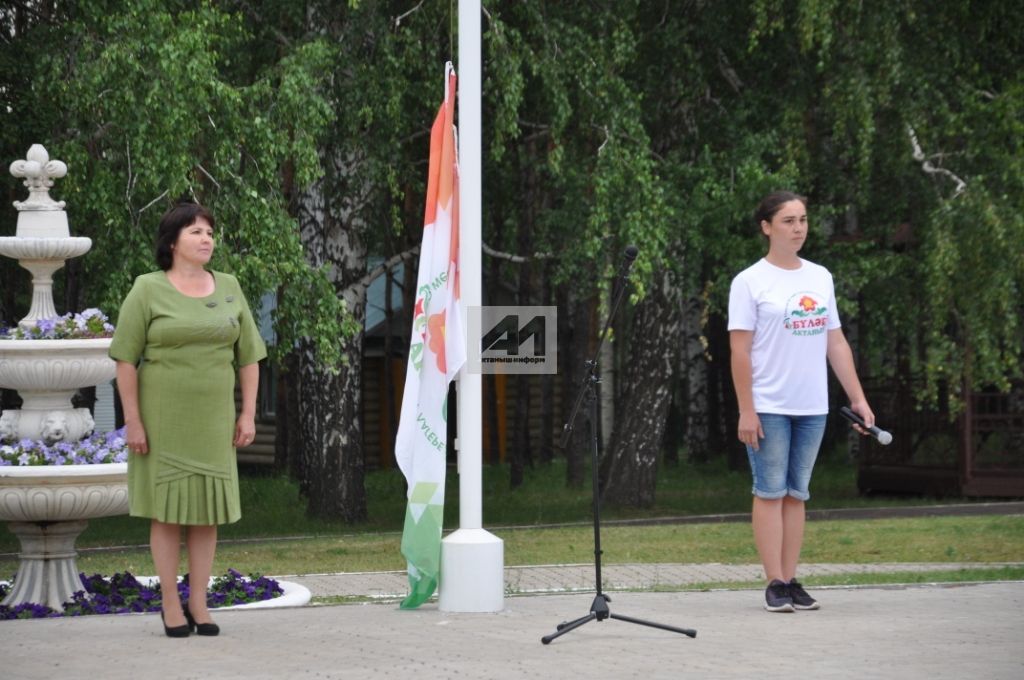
911	633
567	578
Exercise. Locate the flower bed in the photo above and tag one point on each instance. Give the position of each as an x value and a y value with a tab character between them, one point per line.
107	447
91	323
123	593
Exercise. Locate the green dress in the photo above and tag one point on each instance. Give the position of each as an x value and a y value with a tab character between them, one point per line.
187	350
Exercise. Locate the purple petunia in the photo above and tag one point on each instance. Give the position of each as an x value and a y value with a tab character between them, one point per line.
46	326
92	323
107	447
123	593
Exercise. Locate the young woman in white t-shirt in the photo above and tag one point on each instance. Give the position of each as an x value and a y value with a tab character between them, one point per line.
783	326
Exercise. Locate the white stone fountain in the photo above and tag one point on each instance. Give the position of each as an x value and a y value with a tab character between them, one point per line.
47	507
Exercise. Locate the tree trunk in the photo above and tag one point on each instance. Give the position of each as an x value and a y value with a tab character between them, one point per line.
490	412
336	482
723	410
574	346
547	391
631	462
522	454
694	372
306	388
675	431
288	455
390	393
331	402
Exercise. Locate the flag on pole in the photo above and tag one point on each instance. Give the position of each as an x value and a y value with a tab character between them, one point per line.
436	353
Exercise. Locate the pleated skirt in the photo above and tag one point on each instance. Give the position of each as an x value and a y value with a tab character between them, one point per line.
176	490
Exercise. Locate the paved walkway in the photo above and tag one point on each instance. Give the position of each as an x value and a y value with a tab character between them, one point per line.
393	585
911	633
923	632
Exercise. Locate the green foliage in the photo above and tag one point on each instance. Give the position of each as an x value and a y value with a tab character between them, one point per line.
656	124
974	275
923	264
663	125
159	100
386	84
581	148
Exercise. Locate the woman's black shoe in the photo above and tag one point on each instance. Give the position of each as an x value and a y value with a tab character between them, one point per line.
176	631
210	629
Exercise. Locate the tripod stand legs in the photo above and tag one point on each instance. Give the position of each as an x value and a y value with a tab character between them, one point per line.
689	632
599	611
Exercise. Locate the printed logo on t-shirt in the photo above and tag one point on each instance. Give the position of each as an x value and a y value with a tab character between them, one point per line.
805	315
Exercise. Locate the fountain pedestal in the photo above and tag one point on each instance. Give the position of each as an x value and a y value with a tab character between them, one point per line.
49	506
47	568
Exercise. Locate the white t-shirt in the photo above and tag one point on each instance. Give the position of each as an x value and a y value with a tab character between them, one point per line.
790	312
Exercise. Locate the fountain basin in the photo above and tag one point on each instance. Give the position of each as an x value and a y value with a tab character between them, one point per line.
57	493
46	374
47	507
54	248
55	365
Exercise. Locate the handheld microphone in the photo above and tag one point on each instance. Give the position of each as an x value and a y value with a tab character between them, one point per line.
884	438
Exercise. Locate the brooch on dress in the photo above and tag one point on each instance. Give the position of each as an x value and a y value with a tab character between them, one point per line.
229	299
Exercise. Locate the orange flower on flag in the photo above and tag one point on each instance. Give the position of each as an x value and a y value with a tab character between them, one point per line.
436	329
808	304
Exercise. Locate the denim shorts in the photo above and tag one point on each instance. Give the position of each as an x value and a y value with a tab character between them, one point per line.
782	465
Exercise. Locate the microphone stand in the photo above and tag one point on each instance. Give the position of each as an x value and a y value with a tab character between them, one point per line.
599	609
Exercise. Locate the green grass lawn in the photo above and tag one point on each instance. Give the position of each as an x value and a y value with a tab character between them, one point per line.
275	537
981	541
272	506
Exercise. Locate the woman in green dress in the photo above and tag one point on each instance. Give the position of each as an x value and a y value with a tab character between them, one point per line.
182	333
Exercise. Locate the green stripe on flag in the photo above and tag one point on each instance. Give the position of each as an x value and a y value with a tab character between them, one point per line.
421	544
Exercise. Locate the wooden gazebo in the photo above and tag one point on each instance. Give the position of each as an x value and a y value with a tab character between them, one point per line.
980	453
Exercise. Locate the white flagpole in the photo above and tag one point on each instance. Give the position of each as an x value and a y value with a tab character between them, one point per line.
472	559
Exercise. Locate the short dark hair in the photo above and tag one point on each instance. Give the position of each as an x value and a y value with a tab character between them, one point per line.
772	203
174	220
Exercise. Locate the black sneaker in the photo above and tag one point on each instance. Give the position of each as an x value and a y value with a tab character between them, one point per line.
777	597
799	596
